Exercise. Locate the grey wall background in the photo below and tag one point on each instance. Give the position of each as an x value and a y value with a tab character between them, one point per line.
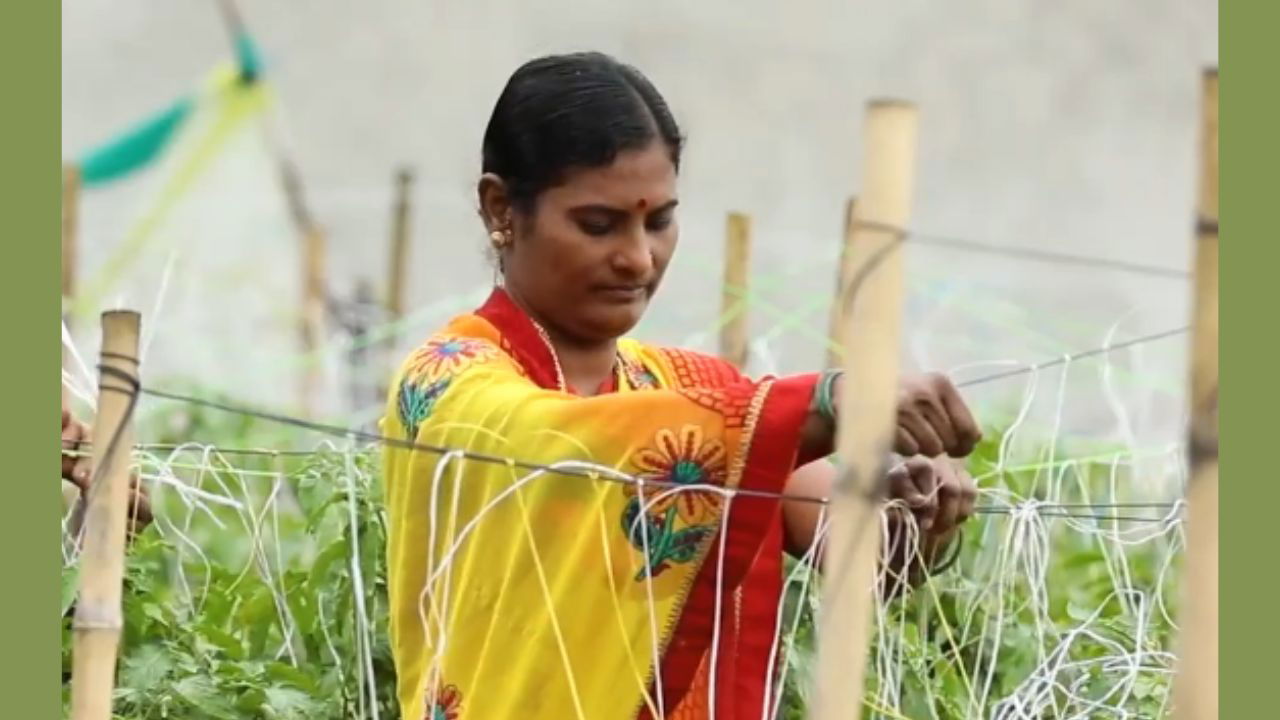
1068	126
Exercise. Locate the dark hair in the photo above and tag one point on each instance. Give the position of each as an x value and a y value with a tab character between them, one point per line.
569	111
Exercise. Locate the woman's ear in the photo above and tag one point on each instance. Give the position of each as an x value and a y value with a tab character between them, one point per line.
495	203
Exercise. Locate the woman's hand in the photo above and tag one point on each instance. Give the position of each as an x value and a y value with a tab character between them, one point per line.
77	466
938	492
933	419
74	433
941	496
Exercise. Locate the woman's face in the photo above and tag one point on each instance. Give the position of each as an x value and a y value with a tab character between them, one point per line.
589	257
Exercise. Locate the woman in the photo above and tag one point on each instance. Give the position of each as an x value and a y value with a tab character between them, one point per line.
523	594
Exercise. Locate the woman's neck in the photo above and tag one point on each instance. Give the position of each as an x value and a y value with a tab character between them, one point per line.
584	365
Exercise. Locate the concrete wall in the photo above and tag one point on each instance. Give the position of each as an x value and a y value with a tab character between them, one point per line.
1066	126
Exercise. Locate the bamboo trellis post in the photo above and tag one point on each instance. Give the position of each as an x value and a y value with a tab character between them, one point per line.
315	297
734	332
314	287
873	312
399	259
98	617
70	217
1196	687
836	329
313	312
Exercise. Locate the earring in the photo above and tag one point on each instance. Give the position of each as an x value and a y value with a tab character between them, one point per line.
500	238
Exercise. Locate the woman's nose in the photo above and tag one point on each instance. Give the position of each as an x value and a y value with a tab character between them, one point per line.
635	256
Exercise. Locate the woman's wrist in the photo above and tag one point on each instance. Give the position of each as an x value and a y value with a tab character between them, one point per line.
826	394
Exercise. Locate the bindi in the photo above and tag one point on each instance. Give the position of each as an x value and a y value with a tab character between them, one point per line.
641	204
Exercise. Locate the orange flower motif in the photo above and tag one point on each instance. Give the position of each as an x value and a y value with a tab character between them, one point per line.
446	706
683	458
442	357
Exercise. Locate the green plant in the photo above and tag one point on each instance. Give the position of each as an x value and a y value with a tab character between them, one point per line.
267	627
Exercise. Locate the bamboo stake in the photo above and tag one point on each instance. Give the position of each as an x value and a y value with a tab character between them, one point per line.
836	330
734	332
98	619
1196	686
314	286
70	217
312	240
313	312
873	311
399	245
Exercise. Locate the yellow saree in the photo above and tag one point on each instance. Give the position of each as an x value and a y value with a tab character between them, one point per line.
518	592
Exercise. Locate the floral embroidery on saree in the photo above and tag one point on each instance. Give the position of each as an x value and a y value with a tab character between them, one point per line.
675	520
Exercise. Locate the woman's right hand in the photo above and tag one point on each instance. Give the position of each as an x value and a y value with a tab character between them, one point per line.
933	418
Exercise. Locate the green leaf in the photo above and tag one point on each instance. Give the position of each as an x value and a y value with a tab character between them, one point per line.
146	667
216	609
335	551
1078	613
258	614
288	674
70	586
224	641
203	695
157	614
289	704
251	701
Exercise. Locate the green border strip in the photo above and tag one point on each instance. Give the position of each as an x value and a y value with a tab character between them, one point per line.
1248	157
31	66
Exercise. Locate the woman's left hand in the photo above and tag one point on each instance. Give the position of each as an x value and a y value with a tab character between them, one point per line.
937	491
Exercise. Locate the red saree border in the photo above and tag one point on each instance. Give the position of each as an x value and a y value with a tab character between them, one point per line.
520	337
752	560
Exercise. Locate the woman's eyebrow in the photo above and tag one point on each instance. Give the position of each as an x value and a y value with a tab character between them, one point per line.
599	208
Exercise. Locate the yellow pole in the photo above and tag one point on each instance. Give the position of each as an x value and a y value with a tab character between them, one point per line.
399	260
1195	694
836	330
734	333
70	218
98	620
873	312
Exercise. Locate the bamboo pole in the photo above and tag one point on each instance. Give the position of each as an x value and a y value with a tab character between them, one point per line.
70	218
98	620
873	311
836	329
734	332
314	309
1196	686
314	301
399	262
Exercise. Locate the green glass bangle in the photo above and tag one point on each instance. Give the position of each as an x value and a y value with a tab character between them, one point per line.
823	399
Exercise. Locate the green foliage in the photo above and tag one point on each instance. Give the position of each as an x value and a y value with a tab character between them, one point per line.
210	642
